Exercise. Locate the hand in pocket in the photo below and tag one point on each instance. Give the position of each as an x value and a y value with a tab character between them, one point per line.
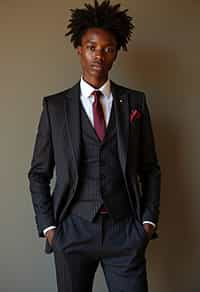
50	236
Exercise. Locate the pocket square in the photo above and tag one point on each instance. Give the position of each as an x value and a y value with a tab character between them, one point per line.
134	115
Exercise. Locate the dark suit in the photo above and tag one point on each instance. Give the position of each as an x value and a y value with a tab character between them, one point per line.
58	145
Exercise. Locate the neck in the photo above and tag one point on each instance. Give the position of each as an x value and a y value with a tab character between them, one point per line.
96	83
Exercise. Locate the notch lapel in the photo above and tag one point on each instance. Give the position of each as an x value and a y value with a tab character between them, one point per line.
72	114
121	108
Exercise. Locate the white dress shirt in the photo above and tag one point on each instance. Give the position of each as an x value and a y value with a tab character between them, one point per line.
87	100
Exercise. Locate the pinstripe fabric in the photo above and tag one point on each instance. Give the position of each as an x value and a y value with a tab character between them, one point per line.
118	246
64	280
100	181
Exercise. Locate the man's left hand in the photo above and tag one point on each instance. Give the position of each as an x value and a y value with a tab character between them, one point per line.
149	229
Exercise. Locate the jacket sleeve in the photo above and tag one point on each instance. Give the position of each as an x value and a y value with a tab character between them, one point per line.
149	170
41	172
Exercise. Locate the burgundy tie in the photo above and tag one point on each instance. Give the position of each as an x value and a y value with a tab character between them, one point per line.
100	127
99	121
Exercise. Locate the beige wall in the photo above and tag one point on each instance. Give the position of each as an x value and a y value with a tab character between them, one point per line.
163	60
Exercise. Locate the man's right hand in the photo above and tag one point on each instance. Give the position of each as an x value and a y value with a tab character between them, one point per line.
50	235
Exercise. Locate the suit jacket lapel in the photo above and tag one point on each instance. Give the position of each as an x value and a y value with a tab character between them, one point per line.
121	108
72	111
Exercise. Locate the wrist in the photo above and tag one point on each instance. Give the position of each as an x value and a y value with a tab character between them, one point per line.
149	228
48	228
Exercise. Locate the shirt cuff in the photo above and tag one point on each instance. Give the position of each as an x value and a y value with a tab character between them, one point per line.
48	228
149	222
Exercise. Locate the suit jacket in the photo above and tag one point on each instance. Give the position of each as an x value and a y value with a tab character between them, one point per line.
58	147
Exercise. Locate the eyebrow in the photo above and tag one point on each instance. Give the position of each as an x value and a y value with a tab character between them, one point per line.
94	42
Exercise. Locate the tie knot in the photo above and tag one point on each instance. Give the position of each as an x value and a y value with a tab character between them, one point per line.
96	94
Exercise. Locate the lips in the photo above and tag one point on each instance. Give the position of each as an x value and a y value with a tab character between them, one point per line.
97	66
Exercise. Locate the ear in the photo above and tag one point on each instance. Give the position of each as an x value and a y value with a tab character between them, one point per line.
79	50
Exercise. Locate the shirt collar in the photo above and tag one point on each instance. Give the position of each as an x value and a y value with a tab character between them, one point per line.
87	89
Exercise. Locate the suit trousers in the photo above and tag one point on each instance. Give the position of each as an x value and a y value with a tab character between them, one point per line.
119	247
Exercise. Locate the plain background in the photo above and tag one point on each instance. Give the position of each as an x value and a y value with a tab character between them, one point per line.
163	60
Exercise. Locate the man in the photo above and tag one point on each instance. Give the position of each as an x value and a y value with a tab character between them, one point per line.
97	136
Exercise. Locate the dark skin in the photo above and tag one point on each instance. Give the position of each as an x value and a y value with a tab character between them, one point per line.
97	53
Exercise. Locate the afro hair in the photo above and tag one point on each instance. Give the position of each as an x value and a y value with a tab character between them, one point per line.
105	16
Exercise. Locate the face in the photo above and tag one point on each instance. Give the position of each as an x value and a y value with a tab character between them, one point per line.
97	53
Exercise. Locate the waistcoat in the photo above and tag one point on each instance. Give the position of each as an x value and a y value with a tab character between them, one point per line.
100	176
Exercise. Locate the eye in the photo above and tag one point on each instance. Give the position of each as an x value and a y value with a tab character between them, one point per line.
91	48
109	50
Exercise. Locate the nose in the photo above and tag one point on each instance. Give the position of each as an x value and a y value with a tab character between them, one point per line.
99	55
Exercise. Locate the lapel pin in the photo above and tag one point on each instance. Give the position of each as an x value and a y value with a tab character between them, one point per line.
121	100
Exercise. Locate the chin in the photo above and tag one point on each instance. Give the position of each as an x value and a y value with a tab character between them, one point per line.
98	73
